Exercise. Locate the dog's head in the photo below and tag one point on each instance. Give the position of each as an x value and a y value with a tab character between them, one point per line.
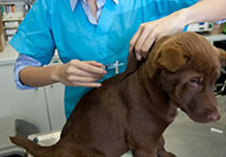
187	66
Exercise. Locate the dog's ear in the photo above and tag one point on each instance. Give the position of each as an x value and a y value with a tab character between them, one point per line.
133	63
222	56
171	58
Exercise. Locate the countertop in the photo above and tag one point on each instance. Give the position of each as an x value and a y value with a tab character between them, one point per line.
215	37
9	55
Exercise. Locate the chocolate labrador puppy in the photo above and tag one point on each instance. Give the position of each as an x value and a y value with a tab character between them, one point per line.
131	110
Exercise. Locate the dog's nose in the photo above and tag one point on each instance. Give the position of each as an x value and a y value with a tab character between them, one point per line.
214	117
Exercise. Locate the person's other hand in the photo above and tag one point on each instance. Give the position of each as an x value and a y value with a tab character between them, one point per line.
150	32
79	73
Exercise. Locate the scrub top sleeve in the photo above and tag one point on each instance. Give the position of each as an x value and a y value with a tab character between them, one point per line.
34	36
22	62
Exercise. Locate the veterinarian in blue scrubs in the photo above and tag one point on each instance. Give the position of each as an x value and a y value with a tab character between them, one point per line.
86	34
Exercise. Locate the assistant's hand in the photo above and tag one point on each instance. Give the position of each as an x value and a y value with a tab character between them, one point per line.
79	73
150	32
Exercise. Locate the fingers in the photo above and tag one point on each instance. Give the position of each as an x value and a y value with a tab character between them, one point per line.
81	73
142	41
83	81
147	45
134	39
94	63
86	69
89	67
82	84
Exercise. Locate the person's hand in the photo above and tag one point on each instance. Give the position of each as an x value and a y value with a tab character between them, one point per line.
150	32
79	73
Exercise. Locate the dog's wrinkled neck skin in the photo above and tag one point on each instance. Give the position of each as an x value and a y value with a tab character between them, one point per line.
157	98
167	110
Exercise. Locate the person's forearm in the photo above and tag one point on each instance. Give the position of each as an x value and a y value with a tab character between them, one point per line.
206	10
37	76
73	73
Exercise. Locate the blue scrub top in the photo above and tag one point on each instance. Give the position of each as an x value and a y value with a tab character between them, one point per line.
51	24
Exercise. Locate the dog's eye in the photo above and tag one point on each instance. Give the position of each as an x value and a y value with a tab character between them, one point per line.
194	82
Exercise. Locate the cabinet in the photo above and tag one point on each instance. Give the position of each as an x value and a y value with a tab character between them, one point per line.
10	24
43	106
14	102
55	103
54	98
12	12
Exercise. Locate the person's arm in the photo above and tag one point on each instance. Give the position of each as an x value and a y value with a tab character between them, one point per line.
148	33
23	61
206	10
30	73
74	73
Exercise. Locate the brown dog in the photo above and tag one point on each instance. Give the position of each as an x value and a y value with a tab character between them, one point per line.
131	111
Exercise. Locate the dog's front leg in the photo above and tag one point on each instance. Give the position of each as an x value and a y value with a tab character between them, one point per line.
162	151
143	154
